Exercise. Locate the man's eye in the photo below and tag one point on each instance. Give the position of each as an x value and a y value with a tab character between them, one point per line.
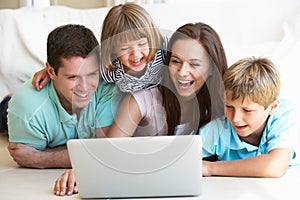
72	77
93	74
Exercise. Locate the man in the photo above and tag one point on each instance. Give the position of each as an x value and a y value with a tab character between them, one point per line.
74	104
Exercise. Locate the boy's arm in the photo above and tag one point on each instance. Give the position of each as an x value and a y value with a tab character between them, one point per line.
27	156
271	165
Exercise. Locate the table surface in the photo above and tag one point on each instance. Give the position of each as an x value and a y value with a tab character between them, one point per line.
22	183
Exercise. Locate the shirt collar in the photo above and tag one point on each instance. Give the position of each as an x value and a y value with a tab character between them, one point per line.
62	113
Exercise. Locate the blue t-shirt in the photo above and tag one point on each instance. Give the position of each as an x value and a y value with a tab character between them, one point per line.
37	118
281	131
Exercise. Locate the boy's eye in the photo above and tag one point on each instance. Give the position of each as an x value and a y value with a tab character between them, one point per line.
247	110
228	106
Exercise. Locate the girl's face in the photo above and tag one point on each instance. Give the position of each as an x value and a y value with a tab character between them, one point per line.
189	67
133	55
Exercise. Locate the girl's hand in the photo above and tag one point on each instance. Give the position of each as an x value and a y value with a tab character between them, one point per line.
40	79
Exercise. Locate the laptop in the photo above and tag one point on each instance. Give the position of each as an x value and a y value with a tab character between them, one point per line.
135	167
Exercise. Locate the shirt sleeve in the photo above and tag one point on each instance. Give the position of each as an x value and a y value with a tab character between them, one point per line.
283	129
25	132
107	105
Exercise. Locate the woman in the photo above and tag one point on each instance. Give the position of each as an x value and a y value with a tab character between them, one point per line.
190	96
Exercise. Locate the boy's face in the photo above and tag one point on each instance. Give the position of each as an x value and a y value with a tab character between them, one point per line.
247	118
76	81
133	55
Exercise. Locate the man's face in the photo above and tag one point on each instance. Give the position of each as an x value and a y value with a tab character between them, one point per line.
76	81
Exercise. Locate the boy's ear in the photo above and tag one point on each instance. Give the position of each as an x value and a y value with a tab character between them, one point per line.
274	106
50	71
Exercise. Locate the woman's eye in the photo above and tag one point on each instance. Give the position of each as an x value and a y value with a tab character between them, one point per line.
175	61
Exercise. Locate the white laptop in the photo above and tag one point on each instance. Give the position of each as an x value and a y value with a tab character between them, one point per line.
158	166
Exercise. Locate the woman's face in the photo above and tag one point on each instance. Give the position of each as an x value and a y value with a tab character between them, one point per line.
189	67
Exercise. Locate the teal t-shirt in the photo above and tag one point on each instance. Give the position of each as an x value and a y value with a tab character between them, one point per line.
281	131
37	119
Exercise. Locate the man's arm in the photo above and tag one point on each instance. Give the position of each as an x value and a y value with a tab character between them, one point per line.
27	156
271	165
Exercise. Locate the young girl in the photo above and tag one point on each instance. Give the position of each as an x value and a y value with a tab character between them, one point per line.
131	50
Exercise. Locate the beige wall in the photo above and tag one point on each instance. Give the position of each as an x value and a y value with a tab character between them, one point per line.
72	3
9	4
13	4
81	3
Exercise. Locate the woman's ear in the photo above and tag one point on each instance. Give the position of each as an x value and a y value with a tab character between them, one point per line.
274	106
50	71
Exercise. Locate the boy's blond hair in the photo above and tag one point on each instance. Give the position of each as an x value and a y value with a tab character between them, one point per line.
124	23
255	78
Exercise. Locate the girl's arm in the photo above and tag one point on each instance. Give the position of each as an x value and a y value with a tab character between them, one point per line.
271	165
40	79
127	119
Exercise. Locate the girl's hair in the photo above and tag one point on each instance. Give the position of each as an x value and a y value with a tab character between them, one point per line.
255	78
124	23
210	97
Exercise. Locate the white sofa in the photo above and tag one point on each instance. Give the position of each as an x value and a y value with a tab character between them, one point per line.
247	28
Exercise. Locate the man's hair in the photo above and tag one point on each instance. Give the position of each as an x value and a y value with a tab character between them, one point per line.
68	41
124	23
255	78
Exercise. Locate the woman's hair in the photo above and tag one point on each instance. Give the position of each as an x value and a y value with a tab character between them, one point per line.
211	95
255	78
124	23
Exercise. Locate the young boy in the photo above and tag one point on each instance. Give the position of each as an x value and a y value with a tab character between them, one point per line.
257	135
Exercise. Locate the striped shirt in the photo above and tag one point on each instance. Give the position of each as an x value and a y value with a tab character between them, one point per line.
128	83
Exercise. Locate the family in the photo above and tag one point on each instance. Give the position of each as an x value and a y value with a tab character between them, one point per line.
151	85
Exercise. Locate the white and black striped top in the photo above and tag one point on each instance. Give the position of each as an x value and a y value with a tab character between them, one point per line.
128	83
